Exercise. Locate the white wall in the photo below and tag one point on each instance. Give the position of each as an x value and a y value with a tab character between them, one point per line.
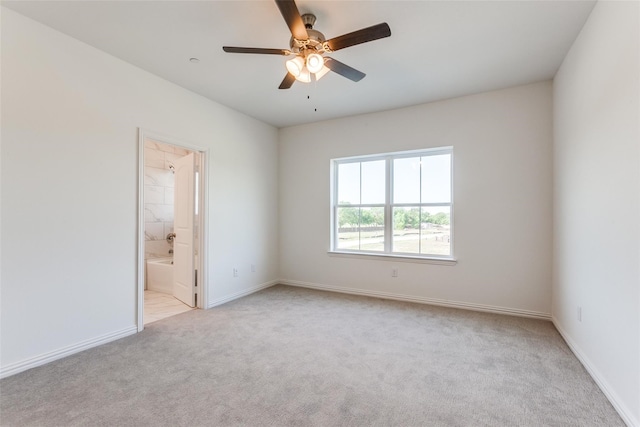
502	196
70	118
597	201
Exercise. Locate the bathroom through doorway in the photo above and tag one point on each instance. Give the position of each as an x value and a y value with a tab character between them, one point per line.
171	224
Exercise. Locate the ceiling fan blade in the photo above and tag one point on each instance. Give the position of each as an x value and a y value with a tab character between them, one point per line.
344	70
288	81
292	17
232	49
361	36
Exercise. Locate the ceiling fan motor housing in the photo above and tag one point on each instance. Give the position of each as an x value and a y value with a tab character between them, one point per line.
315	41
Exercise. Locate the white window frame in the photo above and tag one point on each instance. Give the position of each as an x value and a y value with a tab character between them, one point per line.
388	207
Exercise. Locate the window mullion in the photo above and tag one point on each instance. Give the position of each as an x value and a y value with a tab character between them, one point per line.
420	211
388	216
360	210
336	223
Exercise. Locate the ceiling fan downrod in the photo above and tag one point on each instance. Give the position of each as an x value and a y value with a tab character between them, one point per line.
309	20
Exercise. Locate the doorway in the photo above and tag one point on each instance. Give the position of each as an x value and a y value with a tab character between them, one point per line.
171	223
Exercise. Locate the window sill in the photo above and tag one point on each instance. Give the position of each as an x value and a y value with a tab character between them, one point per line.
394	257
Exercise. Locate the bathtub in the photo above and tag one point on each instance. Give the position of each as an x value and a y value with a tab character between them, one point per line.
160	275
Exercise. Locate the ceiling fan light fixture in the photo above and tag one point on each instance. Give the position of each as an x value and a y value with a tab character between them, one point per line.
295	66
315	62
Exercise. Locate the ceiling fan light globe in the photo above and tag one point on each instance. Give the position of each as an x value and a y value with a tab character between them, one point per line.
322	72
315	62
304	76
295	66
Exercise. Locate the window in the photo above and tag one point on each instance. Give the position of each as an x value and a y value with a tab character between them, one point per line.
394	204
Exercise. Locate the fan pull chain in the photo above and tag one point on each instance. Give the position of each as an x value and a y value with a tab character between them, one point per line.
315	91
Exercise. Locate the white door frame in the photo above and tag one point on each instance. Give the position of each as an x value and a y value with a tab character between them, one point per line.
202	225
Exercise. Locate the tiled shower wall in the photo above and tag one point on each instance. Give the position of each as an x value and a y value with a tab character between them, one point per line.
158	196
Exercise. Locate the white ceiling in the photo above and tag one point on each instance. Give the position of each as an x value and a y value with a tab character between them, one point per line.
437	49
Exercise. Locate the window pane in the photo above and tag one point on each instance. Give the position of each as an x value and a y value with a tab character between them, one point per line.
348	228
406	180
361	229
435	229
373	182
406	230
436	179
349	183
372	229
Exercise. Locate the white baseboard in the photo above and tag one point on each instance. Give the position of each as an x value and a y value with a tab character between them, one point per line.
14	368
624	412
421	300
231	297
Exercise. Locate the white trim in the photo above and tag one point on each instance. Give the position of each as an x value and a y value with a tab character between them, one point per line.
333	187
45	358
170	140
625	413
203	244
396	154
203	254
140	266
395	257
231	297
421	300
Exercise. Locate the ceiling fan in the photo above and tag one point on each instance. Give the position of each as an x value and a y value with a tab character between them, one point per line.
309	46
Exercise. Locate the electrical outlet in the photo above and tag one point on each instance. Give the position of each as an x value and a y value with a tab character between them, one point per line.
253	268
394	272
579	314
235	272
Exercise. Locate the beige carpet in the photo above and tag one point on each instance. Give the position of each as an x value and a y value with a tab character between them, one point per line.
295	357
